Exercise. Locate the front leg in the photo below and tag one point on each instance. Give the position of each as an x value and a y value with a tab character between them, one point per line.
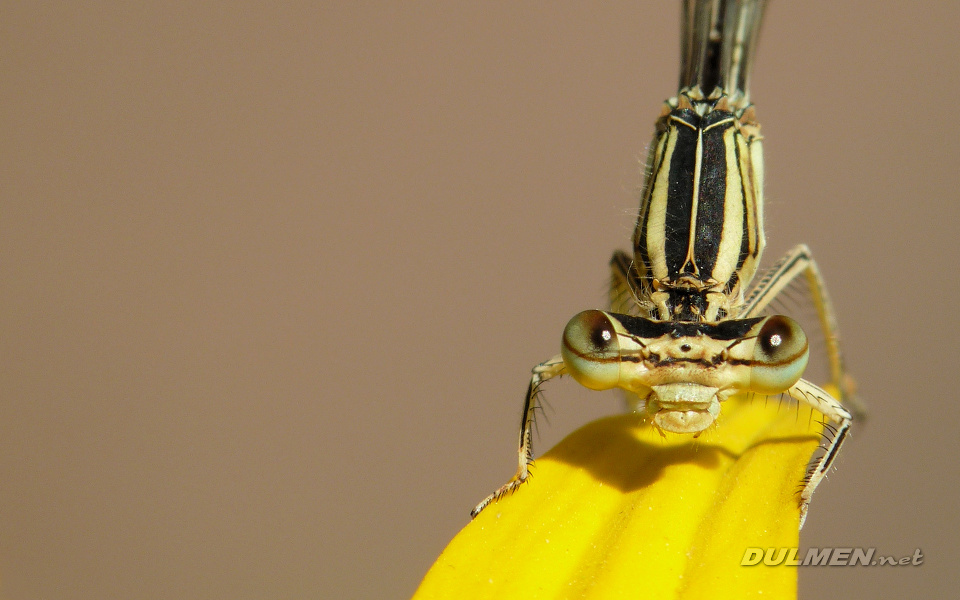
542	372
800	263
819	399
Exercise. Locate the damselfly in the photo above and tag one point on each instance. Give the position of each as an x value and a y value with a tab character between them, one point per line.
684	336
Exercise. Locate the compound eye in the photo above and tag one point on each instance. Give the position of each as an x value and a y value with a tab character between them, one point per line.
780	339
591	350
780	355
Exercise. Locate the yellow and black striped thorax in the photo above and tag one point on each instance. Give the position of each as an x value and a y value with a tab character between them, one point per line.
699	234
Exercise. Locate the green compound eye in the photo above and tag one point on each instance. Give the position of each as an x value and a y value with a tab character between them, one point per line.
591	350
780	355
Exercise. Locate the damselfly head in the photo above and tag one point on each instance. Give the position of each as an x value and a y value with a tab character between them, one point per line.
682	371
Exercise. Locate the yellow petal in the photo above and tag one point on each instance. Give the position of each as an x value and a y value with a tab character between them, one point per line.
616	510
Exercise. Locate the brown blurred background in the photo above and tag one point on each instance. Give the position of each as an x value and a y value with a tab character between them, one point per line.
273	277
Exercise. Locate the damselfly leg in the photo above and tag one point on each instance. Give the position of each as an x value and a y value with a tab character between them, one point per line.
541	373
799	262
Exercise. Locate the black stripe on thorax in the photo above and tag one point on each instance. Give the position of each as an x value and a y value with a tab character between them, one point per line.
711	195
745	250
685	125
